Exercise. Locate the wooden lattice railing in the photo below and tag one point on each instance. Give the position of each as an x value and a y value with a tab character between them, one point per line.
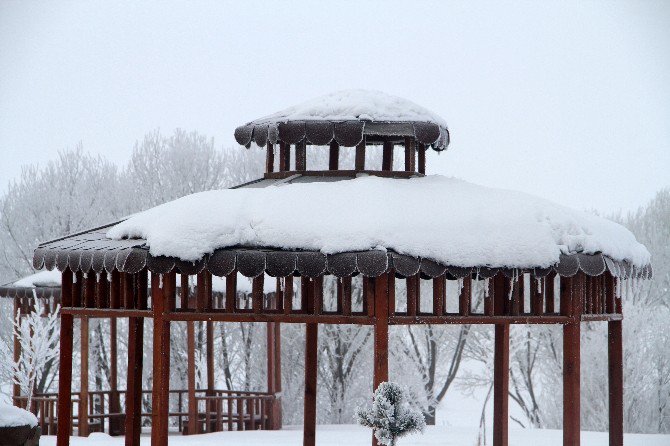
216	410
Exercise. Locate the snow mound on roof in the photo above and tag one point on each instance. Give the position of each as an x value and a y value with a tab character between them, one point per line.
11	416
347	105
42	278
444	219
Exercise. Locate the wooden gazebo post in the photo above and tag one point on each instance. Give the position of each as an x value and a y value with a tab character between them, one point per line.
311	364
65	364
571	306
16	389
162	301
135	297
615	363
381	331
501	363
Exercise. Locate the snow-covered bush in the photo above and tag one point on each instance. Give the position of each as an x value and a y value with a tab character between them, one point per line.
391	416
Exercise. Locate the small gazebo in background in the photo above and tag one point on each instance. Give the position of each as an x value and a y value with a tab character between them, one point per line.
104	406
379	225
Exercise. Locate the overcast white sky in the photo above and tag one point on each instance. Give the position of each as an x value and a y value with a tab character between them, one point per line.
567	100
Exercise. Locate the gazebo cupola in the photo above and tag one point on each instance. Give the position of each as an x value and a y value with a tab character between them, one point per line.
347	120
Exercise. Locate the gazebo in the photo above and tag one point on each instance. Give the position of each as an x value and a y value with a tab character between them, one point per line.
541	263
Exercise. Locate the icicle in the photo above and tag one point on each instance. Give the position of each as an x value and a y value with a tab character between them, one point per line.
282	284
74	277
85	275
460	285
97	277
486	288
160	281
109	277
539	285
515	277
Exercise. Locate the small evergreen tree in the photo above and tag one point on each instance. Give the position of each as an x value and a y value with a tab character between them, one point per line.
391	416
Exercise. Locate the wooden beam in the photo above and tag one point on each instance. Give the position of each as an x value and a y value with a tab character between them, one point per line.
311	366
83	383
549	284
501	386
387	156
615	369
284	156
65	365
334	156
360	156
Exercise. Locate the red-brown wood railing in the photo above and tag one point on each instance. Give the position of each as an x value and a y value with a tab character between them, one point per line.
217	410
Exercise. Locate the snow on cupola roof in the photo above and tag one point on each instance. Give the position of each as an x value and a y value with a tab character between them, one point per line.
348	117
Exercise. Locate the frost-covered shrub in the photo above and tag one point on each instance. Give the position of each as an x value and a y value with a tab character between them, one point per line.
391	416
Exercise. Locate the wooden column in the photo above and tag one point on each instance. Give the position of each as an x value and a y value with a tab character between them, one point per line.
83	387
360	155
311	364
381	334
387	156
501	365
615	367
115	427
16	389
334	156
274	374
270	158
300	157
65	364
571	306
410	154
422	158
284	156
162	288
135	295
190	372
209	353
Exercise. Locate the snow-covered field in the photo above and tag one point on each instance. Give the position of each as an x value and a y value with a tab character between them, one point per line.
355	435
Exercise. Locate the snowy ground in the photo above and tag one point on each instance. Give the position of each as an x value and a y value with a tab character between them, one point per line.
354	435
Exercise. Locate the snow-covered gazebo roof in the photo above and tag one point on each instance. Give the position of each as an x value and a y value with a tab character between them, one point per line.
351	225
43	284
348	117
